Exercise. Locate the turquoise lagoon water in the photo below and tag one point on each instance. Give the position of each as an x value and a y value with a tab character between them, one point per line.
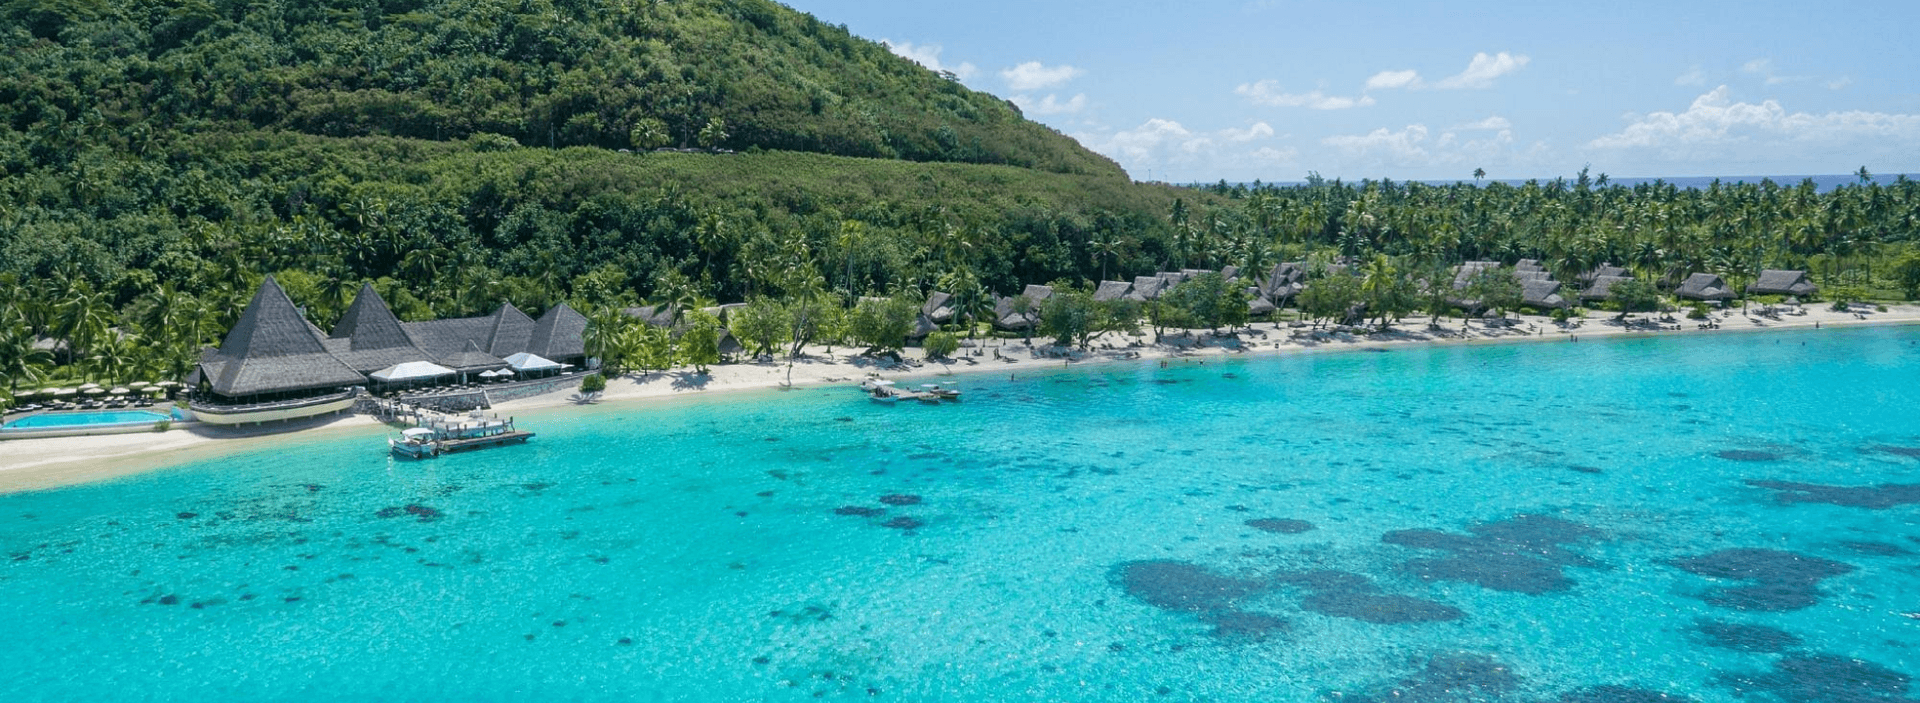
1708	518
100	417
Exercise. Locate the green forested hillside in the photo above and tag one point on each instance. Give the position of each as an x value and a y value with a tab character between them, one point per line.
463	152
606	73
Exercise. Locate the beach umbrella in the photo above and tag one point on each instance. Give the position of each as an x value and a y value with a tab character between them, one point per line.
89	386
168	384
121	391
96	390
153	390
63	392
137	385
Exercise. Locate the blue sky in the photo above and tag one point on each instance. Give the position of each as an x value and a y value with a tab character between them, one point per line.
1274	89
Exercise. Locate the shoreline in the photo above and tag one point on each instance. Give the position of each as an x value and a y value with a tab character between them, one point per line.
43	464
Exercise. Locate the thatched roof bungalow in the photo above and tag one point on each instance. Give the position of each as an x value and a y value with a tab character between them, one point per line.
1772	282
1604	270
1147	288
1541	293
1704	286
1112	290
1005	318
938	308
1601	288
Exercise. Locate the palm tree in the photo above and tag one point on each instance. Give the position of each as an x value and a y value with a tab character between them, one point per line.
1104	248
606	329
84	317
20	362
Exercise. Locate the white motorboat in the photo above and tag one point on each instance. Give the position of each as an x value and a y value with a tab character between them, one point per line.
415	443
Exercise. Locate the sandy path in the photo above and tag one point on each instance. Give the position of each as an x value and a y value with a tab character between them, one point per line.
32	464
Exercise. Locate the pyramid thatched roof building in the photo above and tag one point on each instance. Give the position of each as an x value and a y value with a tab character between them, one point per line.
272	349
368	337
274	352
560	334
504	332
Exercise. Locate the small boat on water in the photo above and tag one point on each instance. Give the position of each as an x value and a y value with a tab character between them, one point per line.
885	392
444	436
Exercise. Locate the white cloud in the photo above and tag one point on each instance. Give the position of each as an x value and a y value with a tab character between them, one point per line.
1714	118
1694	77
1482	71
1141	143
1398	146
1034	76
1388	80
1764	69
1051	105
1160	148
1259	130
928	55
1840	83
1267	155
1268	92
1495	122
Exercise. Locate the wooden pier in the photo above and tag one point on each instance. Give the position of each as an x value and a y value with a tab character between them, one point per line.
449	433
448	446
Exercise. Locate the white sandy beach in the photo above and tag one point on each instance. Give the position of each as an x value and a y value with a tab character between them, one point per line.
34	464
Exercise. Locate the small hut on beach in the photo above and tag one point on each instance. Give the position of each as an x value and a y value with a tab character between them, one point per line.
1604	271
1112	290
1704	287
1007	319
1772	282
939	307
1601	288
1146	288
1541	293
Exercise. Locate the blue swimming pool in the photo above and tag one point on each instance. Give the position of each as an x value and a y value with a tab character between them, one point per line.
88	419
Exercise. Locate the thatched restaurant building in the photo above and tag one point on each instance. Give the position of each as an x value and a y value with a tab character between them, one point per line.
275	365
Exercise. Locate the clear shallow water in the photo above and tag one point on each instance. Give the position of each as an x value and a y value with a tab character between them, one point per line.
1515	522
102	417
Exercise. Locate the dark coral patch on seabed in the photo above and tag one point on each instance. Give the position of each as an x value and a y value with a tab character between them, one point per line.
1520	555
1747	455
1821	678
1744	638
1781	580
1343	594
900	499
1283	526
859	511
1881	497
1460	677
1449	677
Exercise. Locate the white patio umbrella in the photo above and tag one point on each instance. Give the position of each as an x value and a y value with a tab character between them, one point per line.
121	391
531	362
96	390
411	371
89	386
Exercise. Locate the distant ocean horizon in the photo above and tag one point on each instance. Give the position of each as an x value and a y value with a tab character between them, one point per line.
1824	183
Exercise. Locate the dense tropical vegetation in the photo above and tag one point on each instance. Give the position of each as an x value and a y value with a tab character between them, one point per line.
157	157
